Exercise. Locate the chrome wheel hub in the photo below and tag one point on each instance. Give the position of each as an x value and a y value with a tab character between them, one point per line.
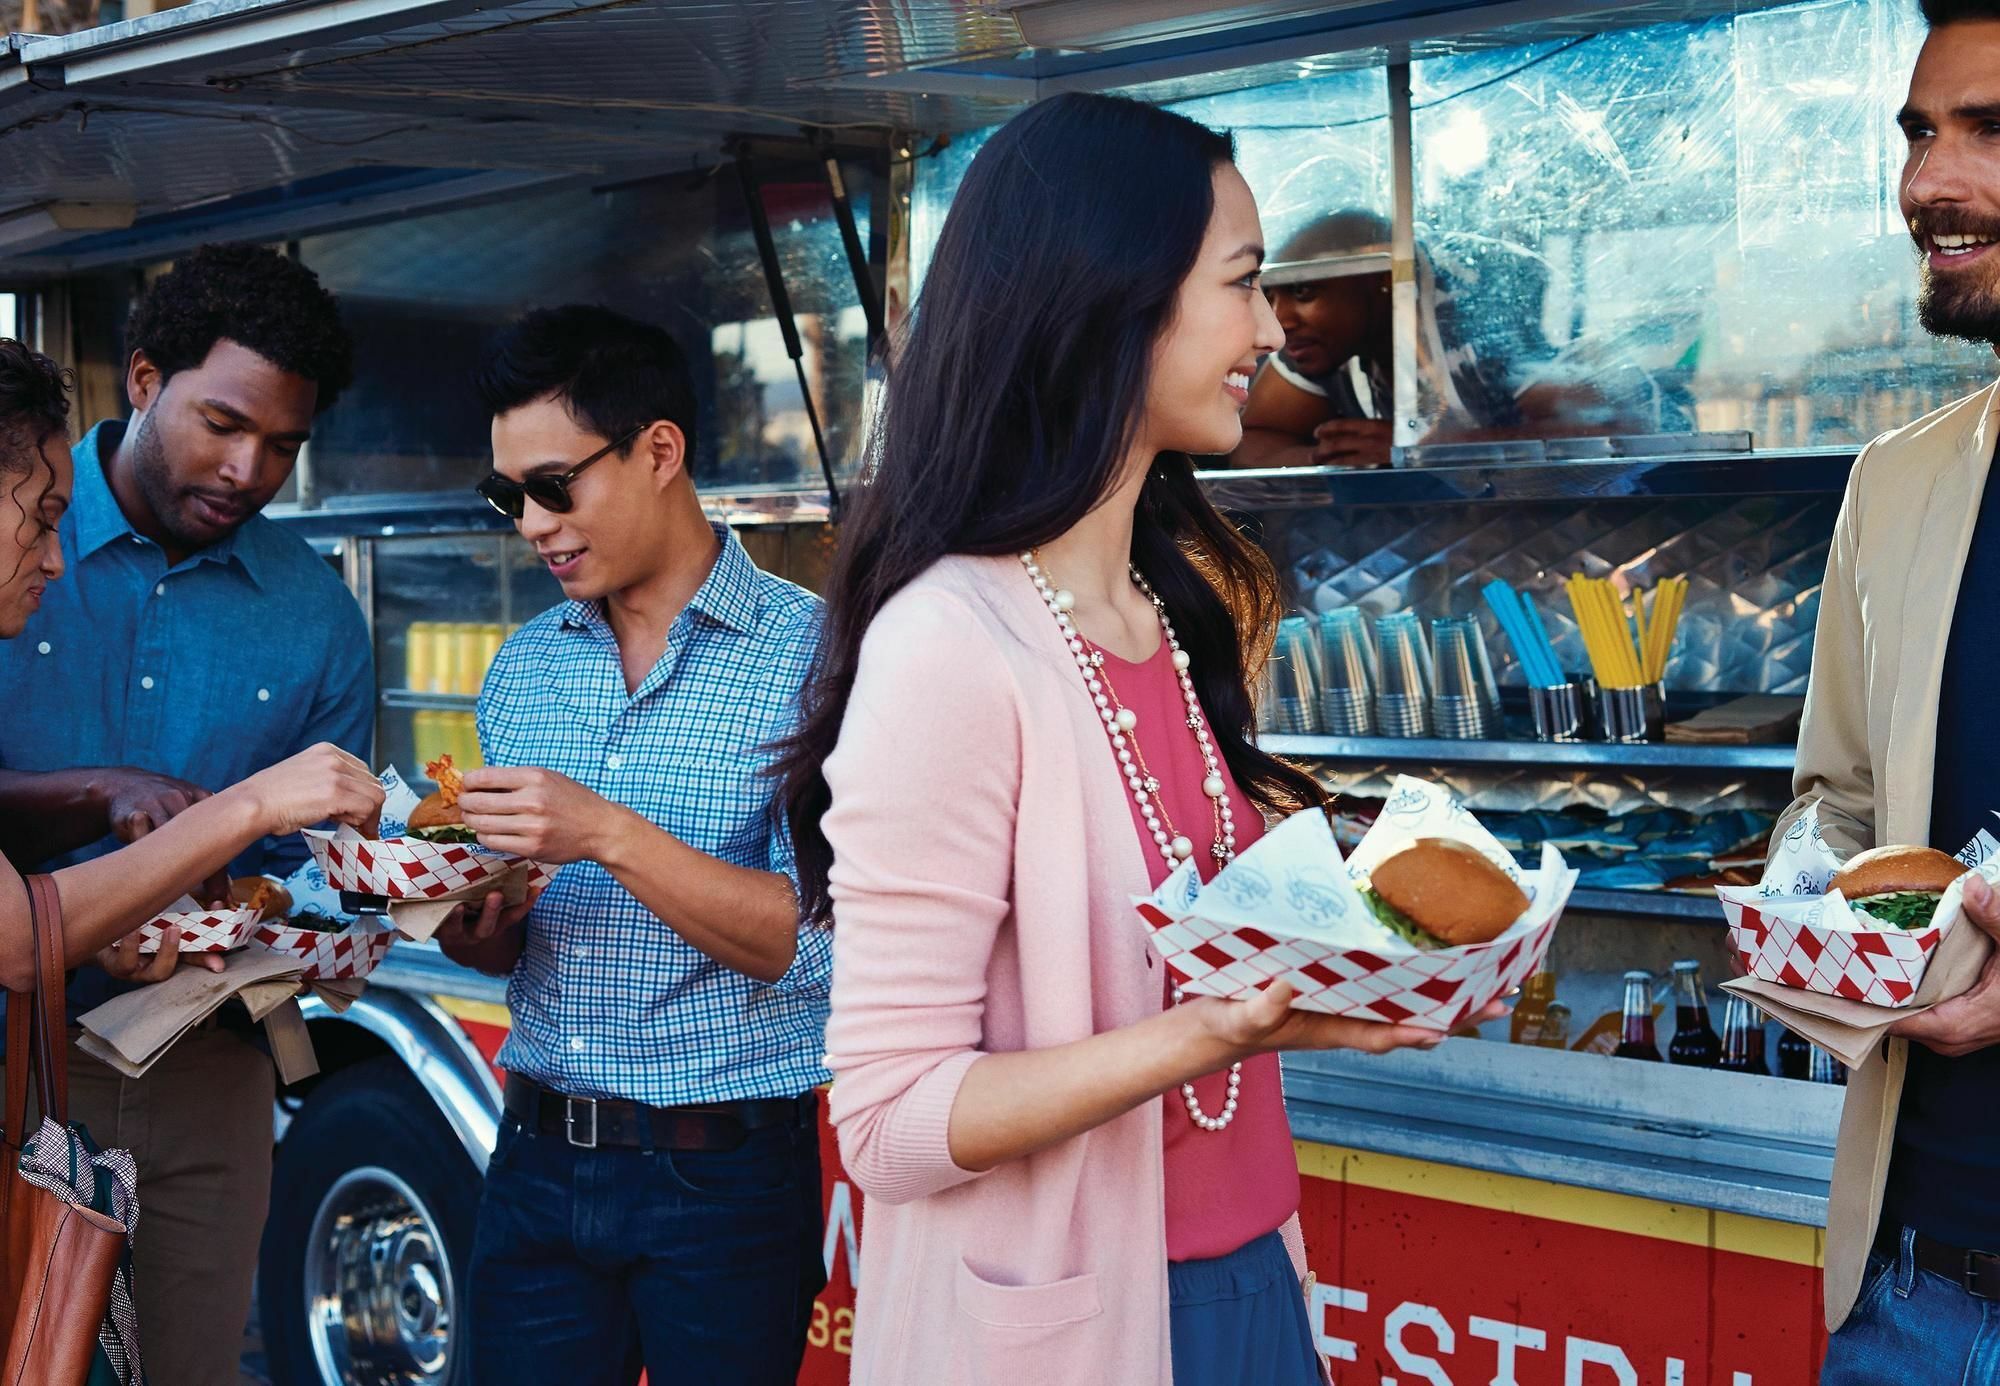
378	1287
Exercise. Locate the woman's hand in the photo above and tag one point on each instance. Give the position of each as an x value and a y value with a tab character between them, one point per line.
1267	1023
313	786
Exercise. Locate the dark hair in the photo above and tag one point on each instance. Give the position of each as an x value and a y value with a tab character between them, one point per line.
1938	13
1012	405
614	374
34	404
254	297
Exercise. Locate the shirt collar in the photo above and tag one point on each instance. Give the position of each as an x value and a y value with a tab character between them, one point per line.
728	596
100	520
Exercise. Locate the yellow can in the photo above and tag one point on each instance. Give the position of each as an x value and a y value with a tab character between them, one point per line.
427	738
466	642
419	657
491	637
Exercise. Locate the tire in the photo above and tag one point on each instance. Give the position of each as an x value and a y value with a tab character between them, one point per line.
369	1178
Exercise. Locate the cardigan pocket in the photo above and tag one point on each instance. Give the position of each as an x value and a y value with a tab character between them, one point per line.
1014	1334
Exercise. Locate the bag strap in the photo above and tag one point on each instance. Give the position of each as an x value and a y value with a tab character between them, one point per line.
52	1014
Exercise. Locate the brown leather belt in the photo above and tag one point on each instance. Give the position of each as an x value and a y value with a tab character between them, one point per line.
590	1122
1975	1272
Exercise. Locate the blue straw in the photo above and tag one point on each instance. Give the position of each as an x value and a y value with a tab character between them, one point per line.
1537	662
1547	646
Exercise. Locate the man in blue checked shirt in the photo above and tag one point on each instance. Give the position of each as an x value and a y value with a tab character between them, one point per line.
195	638
654	1197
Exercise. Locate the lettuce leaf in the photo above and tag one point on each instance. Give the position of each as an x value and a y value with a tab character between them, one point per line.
446	833
1900	909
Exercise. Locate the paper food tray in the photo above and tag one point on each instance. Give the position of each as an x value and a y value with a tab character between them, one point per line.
354	951
407	868
1289	908
1792	930
202	931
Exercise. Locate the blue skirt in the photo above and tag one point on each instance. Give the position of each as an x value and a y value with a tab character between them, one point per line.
1240	1319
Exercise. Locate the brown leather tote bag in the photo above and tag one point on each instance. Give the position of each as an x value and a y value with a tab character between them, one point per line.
63	1256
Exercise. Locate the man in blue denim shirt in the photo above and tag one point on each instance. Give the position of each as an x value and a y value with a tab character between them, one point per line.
194	638
654	1197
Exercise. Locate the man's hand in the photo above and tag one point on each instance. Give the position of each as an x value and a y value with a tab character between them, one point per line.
1352	443
124	961
482	941
1970	1021
536	813
138	801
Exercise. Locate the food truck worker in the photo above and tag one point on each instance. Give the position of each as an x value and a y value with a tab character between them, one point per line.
198	639
1900	745
654	1198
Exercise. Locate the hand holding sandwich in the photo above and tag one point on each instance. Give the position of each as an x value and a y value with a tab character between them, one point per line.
1970	1021
537	814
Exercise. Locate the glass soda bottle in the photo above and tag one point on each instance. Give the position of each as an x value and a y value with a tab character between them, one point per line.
1531	1011
1555	1027
1822	1067
1636	1038
1743	1037
1695	1041
1794	1056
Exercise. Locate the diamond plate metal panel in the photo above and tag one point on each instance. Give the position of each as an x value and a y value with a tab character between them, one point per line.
1754	567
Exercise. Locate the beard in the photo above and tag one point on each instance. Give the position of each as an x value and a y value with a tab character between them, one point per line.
171	507
1967	311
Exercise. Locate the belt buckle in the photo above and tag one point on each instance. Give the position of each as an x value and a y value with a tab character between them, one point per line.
1977	1265
570	1105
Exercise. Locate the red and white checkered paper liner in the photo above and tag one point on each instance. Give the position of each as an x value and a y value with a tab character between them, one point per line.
1288	907
327	955
1434	990
202	931
1793	929
409	868
1883	967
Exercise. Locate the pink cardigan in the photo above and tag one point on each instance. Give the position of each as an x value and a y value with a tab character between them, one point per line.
984	864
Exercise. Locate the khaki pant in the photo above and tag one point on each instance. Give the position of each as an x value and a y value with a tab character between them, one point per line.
199	1126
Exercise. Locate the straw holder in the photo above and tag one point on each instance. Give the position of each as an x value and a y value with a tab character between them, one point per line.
1558	712
1631	714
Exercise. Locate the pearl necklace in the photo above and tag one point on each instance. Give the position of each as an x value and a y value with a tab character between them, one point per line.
1120	724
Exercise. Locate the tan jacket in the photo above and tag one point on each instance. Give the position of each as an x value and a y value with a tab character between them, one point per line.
1870	736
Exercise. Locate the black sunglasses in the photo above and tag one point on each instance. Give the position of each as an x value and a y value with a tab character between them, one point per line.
549	490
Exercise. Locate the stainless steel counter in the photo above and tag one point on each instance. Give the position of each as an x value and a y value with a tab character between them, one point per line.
1756	1146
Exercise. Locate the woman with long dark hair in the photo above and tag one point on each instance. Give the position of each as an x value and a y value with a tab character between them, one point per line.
1032	704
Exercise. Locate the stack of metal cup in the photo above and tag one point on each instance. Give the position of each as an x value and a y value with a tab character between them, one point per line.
1403	696
1295	678
1347	665
1465	702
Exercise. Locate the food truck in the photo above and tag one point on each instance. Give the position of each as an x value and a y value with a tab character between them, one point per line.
1647	295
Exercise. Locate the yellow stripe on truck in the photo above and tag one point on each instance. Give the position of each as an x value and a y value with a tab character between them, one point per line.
478	1012
1511	1193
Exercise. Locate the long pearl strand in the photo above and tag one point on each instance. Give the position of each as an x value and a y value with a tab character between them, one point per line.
1120	724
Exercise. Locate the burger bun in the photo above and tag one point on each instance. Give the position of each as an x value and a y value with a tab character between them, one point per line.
1888	870
1450	890
434	812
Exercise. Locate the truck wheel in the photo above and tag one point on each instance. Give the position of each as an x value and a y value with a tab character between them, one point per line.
363	1270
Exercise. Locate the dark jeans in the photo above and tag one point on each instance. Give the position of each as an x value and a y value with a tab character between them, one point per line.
1912	1328
698	1266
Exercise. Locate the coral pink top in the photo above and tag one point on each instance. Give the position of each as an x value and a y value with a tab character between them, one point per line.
1224	1188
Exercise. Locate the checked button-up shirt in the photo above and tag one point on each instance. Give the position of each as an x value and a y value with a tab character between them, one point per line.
607	1000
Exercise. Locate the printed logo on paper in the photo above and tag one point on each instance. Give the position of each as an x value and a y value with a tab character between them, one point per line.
1316	895
1242	885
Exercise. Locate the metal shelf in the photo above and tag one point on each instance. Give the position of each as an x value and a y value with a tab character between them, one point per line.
1633	478
1651	904
1654	755
429	702
416	514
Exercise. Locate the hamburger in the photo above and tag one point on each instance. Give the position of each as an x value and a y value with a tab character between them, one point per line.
1897	887
437	817
1438	893
262	894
